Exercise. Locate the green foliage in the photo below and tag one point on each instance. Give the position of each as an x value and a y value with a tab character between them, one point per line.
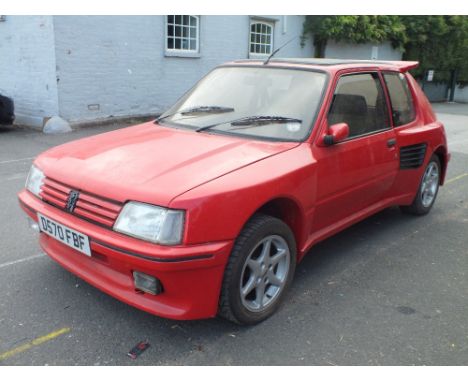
437	42
354	29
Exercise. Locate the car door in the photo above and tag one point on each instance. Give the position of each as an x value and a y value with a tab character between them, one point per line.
357	173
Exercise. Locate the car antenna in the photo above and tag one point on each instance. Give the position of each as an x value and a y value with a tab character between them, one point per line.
278	49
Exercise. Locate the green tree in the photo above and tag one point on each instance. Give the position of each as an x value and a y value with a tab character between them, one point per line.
438	42
353	29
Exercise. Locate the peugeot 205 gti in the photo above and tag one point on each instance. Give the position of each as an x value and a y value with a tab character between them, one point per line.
208	209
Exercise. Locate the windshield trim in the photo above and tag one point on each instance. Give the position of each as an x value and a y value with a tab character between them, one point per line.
251	136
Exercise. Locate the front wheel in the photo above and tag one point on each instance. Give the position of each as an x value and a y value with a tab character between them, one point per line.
259	271
427	191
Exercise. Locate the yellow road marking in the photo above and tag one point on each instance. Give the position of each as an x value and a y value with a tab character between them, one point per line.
36	342
456	178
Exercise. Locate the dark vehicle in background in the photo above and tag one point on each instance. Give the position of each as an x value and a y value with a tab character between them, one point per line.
7	110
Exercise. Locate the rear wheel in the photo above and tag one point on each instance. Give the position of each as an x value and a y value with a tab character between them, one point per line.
427	191
259	271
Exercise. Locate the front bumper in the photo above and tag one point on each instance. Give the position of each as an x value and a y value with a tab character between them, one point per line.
191	276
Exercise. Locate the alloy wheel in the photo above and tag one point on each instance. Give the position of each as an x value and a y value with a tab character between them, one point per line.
429	184
265	273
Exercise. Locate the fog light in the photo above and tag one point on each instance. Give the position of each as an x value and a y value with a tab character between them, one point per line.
147	283
33	225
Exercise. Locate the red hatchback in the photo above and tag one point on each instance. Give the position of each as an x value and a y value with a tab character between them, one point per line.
208	209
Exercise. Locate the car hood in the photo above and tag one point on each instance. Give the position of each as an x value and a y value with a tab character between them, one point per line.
151	163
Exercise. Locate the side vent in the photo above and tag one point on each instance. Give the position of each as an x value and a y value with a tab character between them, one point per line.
412	156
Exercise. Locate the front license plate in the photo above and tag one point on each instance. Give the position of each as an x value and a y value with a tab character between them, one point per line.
66	235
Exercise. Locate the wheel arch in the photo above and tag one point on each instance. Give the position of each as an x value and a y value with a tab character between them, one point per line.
441	153
290	212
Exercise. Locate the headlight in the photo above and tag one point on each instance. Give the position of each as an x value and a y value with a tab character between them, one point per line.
152	223
35	180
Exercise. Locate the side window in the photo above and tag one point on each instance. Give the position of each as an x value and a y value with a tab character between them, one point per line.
360	102
401	98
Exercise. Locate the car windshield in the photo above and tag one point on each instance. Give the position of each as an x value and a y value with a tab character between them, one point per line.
272	103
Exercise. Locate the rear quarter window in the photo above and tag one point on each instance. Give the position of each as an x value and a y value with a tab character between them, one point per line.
400	97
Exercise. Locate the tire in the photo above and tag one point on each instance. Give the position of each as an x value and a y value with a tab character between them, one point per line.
253	264
421	205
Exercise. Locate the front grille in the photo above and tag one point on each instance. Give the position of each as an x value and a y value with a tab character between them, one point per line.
90	207
412	156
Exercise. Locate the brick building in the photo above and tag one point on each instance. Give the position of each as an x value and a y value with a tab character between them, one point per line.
84	68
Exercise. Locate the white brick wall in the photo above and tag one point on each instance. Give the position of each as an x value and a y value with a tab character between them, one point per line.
119	62
361	51
461	94
27	67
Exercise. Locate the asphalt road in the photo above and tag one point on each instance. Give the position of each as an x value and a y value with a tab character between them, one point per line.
390	290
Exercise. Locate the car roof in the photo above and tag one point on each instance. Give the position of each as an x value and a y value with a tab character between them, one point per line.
332	64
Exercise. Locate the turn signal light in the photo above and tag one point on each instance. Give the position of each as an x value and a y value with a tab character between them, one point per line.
147	283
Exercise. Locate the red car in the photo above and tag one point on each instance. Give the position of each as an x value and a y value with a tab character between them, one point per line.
208	209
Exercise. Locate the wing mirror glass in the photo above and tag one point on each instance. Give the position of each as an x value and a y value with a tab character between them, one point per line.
336	133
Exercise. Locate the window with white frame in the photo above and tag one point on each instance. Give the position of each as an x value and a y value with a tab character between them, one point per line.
261	38
182	33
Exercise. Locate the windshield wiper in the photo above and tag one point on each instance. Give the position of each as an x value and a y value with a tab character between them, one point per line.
256	120
199	109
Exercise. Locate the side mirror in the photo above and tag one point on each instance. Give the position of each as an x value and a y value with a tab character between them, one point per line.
336	133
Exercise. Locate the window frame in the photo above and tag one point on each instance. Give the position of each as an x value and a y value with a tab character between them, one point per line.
271	25
389	98
174	52
378	73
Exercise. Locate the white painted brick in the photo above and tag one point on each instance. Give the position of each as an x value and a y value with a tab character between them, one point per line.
94	55
27	67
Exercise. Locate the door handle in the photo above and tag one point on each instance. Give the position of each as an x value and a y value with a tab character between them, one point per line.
391	142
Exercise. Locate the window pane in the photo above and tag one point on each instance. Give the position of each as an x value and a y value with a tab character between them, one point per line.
260	38
359	101
193	44
181	30
401	98
193	32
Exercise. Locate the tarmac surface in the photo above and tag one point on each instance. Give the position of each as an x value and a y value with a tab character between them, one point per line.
391	290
